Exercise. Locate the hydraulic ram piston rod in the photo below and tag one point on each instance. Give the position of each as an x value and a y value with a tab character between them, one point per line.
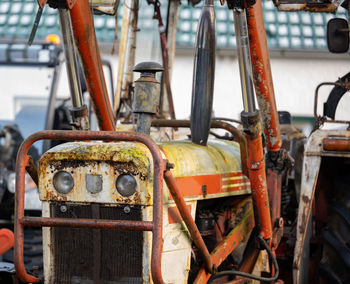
252	127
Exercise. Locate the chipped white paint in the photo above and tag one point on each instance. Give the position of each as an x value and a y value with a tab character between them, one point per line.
311	166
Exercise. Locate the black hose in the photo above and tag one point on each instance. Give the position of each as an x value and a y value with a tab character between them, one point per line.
251	276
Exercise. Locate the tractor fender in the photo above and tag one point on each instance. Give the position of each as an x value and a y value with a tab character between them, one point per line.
311	167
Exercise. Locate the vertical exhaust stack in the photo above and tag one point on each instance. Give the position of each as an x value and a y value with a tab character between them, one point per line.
146	95
203	75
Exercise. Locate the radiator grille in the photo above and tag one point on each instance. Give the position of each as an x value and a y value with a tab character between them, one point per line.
96	255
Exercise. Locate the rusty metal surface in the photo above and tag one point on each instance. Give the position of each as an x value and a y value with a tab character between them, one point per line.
146	98
42	3
257	172
314	151
20	219
338	145
237	135
240	233
315	143
86	42
87	223
311	167
274	186
186	216
107	160
262	76
32	170
320	120
319	8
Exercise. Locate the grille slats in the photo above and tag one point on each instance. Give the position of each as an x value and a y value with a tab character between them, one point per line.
118	255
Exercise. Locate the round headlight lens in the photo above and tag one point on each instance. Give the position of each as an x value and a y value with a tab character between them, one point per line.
63	182
11	182
126	185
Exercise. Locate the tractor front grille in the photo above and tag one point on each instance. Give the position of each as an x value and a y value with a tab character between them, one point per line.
95	255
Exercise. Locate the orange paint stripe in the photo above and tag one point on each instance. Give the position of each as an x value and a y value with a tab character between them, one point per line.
192	185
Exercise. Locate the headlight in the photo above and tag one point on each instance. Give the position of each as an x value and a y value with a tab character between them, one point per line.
11	182
63	182
126	185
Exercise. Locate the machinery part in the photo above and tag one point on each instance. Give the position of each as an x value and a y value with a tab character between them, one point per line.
245	68
71	58
342	86
33	255
238	4
262	76
203	75
307	5
256	168
186	216
155	226
105	7
123	94
6	240
165	57
35	26
251	276
86	43
252	128
334	100
147	95
79	111
236	135
231	232
338	35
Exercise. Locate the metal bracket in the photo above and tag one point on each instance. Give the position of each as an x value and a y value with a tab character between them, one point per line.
239	4
55	3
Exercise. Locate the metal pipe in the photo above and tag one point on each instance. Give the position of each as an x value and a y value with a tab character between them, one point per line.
244	63
71	58
165	60
190	224
122	54
50	114
85	39
257	174
21	220
88	223
262	76
336	144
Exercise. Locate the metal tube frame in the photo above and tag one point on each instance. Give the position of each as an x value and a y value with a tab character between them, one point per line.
252	128
155	226
262	76
71	58
86	42
244	63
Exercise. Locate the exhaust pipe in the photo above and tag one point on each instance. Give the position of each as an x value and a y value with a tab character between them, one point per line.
203	75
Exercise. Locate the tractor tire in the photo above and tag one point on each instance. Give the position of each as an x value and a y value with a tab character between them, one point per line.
335	262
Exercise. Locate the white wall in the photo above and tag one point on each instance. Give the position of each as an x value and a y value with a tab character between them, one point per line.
295	80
